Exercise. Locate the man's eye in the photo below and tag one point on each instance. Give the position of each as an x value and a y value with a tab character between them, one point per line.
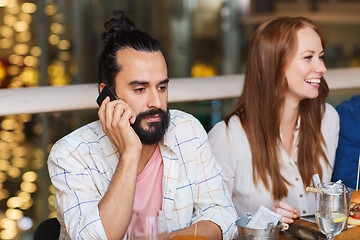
162	88
139	89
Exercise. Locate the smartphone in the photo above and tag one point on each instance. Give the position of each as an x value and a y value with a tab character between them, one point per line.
104	93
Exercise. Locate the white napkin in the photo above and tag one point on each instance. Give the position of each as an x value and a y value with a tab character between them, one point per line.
262	218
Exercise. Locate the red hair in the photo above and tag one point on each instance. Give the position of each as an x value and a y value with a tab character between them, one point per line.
259	106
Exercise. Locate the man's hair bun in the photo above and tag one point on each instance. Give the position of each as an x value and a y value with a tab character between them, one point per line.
116	26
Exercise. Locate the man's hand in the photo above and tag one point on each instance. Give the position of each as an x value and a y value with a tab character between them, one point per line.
116	117
287	211
204	228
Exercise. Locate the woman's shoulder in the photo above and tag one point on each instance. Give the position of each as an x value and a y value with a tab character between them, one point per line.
330	110
331	120
230	133
234	125
330	113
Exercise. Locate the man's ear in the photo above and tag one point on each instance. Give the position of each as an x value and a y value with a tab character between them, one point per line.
101	86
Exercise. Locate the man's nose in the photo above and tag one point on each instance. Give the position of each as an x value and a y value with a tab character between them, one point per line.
154	100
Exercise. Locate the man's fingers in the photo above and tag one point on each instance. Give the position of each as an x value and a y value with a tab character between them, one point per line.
128	115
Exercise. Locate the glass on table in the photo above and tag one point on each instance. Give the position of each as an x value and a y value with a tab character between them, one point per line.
148	224
331	208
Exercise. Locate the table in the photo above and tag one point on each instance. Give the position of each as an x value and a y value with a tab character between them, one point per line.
310	232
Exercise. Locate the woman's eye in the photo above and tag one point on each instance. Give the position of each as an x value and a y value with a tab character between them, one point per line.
308	57
322	57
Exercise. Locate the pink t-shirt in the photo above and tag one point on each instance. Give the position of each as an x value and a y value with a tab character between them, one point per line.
148	192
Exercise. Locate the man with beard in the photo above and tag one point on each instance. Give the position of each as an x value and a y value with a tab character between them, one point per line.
139	155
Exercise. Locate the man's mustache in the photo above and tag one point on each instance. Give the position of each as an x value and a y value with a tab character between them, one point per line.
151	113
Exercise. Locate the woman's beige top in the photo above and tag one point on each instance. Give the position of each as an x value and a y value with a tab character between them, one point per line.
232	150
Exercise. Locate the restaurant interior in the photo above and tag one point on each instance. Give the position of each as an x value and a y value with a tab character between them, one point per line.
57	43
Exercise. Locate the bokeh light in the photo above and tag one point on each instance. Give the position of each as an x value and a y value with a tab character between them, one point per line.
2	177
7	223
54	39
57	28
20	152
21	49
23	36
28	187
26	17
19	136
64	45
6	43
25	196
27	204
28	7
13	70
8	234
39	153
5	154
51	200
14	214
50	9
19	162
65	56
14	172
30	176
15	59
30	76
4	193
35	51
21	26
8	124
25	223
7	32
12	7
3	3
14	202
4	165
31	61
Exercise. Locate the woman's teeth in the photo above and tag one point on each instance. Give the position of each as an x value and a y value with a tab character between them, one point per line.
312	80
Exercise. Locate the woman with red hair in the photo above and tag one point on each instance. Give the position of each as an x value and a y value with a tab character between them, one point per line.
281	131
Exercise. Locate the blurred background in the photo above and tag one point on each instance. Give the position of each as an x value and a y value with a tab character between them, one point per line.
57	42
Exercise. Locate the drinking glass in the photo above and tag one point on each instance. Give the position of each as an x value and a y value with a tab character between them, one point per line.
148	224
331	208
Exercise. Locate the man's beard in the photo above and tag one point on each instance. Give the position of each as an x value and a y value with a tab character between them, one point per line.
154	131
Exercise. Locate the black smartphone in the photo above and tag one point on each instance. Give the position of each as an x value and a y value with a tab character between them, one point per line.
104	93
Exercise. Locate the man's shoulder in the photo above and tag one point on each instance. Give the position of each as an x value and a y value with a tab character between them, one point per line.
178	117
183	125
93	128
349	106
87	133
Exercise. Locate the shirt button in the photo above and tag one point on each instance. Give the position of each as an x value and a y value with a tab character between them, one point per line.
296	179
301	195
304	212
